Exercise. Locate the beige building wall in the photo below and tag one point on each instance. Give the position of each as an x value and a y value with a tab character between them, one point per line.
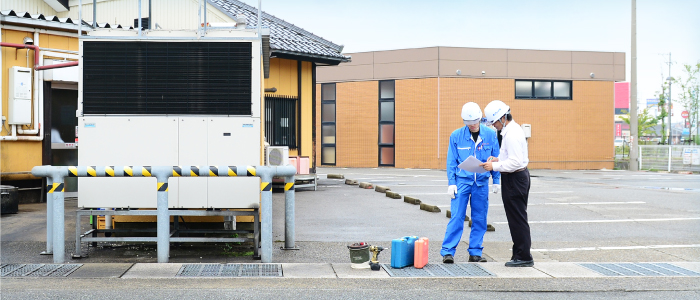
478	63
31	6
170	14
416	121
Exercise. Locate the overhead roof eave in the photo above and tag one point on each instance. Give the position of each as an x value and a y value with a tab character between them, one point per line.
333	61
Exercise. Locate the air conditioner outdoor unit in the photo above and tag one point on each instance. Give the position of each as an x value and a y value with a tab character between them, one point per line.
277	156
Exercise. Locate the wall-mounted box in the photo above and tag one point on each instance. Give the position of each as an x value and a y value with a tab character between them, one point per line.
20	96
527	128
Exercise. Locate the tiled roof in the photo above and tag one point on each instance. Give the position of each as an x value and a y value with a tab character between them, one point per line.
285	37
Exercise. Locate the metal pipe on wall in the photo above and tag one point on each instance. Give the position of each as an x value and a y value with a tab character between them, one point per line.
94	14
140	18
37	95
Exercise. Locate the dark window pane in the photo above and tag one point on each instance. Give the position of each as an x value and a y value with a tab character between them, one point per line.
328	113
562	89
523	89
387	156
387	111
386	134
328	156
386	89
328	132
328	91
543	89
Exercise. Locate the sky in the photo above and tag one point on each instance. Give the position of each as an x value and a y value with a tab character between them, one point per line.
663	27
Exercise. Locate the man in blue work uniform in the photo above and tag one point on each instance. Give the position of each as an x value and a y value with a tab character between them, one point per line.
480	141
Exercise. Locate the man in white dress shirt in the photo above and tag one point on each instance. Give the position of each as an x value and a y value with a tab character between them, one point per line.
515	179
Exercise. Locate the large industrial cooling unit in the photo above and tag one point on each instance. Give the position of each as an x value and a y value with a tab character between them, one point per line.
170	100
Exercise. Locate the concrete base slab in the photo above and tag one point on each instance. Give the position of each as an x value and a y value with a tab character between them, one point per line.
153	271
308	271
101	271
565	270
500	270
693	266
346	271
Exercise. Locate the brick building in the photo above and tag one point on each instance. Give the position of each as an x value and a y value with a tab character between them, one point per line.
397	108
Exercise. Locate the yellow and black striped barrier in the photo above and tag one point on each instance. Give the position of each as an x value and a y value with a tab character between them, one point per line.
146	171
57	174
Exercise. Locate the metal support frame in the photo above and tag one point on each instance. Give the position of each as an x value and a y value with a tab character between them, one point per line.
88	236
162	173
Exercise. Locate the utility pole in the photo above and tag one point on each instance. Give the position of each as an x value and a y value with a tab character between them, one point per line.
634	156
670	106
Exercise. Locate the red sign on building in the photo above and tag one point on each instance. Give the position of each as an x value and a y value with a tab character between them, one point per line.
618	129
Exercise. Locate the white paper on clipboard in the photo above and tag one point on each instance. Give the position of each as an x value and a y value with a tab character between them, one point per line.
471	164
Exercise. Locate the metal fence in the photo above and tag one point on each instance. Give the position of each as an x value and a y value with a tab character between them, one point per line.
669	158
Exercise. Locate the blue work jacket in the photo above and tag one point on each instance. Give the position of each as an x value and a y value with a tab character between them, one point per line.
462	146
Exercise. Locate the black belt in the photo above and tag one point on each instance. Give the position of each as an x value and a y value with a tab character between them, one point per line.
516	171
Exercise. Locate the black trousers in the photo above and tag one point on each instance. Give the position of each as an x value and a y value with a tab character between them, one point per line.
515	191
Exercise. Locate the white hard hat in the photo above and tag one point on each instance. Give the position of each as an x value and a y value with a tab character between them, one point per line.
471	113
494	111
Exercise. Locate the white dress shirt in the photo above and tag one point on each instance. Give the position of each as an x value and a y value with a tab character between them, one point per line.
513	155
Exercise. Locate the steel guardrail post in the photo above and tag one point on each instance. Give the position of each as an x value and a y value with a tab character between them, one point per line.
289	212
49	218
265	213
163	228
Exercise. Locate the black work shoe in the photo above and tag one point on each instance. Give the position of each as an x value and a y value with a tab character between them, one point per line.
520	263
448	259
474	258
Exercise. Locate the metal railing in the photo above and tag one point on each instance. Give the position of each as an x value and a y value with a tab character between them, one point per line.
55	175
669	158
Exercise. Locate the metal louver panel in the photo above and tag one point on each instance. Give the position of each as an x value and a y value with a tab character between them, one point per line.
280	121
132	78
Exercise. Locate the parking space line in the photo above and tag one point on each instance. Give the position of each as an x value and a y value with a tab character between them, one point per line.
580	203
617	248
608	221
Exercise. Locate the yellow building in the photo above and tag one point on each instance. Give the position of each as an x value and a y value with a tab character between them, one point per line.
291	58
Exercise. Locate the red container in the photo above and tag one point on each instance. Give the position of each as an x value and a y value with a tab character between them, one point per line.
420	255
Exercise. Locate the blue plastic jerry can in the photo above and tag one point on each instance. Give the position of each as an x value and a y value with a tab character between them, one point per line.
402	251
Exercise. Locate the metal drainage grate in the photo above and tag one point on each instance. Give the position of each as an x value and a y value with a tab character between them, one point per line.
639	269
230	270
38	270
440	270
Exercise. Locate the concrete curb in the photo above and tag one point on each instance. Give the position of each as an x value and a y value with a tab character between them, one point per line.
429	208
335	176
382	189
366	185
411	200
351	182
393	195
449	215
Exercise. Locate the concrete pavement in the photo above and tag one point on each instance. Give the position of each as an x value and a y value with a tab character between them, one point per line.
576	216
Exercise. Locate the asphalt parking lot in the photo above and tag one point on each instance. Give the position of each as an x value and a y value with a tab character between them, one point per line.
576	216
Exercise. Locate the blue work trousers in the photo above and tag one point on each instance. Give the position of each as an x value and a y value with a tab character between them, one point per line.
479	198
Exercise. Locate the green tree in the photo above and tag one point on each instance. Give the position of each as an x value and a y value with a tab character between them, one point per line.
662	112
688	97
646	123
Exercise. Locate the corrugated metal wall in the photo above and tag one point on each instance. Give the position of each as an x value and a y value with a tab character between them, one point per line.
31	6
170	14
